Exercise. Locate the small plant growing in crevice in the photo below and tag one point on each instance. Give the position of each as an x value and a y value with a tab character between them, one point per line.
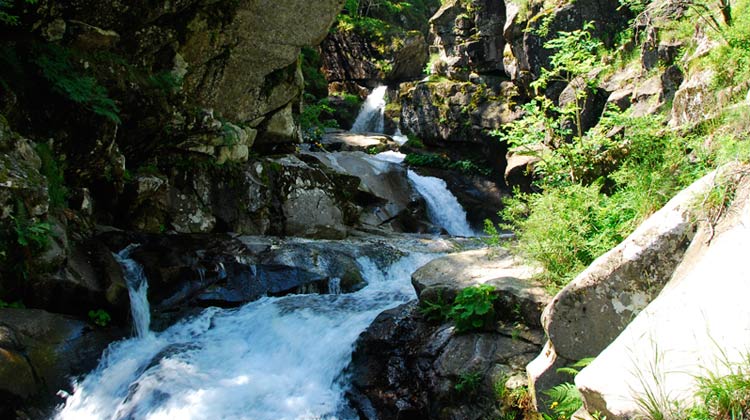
473	308
468	383
100	317
437	311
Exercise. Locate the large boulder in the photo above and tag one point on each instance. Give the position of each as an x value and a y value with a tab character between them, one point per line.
697	325
392	197
469	34
281	196
406	367
594	308
444	278
40	353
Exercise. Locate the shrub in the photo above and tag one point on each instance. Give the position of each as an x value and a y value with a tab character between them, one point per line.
473	308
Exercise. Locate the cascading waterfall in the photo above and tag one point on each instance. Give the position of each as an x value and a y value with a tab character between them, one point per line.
275	358
443	208
137	290
371	116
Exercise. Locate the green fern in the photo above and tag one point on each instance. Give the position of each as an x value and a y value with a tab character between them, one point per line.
56	67
564	401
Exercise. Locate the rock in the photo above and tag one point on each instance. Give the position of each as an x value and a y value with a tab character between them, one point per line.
280	128
469	34
445	277
405	367
345	58
590	108
39	353
693	99
344	141
520	171
386	182
410	59
456	112
619	284
263	196
695	326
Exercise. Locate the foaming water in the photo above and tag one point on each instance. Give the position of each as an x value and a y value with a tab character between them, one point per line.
276	358
443	208
370	118
137	284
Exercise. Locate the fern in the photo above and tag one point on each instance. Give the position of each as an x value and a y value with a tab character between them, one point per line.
56	67
564	401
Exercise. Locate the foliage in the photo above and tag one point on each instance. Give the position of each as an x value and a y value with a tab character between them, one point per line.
56	66
576	367
315	82
442	162
437	311
473	308
53	171
492	237
564	401
30	234
724	397
313	122
7	14
731	59
468	382
100	317
596	190
12	305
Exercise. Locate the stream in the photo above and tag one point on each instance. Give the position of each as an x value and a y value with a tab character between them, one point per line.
272	359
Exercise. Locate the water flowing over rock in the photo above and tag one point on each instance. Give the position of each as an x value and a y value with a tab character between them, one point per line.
370	118
294	346
407	367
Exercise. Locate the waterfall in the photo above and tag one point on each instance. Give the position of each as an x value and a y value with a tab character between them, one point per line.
275	358
399	137
137	284
370	117
443	208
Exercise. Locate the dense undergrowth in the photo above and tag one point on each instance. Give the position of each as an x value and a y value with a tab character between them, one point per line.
595	187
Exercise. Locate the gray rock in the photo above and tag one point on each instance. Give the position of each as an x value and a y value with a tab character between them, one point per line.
594	308
445	277
39	353
695	326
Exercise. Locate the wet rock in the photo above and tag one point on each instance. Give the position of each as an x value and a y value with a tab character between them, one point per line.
406	367
39	353
344	141
390	194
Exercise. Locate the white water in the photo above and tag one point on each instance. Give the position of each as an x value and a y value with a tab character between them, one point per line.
443	208
399	137
273	359
137	290
370	118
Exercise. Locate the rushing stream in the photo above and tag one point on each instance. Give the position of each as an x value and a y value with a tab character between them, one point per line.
272	359
276	358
